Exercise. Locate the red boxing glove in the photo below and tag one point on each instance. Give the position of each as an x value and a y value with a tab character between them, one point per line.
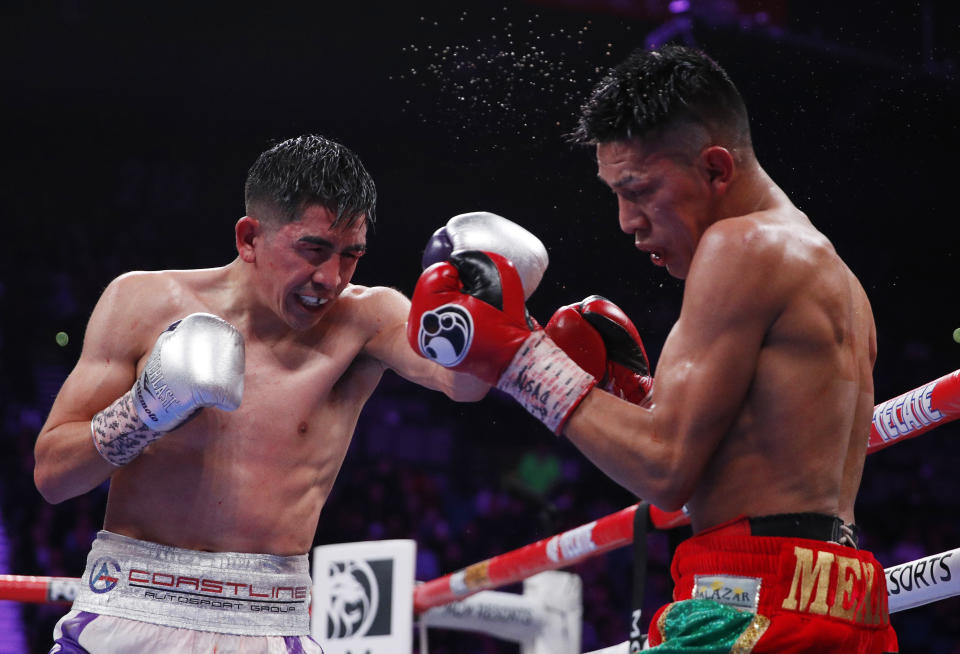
468	313
599	336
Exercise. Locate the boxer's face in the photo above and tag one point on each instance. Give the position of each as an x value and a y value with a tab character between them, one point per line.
663	202
308	264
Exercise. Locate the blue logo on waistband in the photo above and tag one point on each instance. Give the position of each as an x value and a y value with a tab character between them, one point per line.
104	575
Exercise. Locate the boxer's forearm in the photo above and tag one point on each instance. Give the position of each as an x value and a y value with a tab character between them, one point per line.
467	388
620	439
67	462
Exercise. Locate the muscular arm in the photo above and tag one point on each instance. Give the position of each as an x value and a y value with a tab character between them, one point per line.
389	345
731	298
67	463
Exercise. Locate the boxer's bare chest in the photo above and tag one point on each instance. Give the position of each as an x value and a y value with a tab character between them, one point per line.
263	469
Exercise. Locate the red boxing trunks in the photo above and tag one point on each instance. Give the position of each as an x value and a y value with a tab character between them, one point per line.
737	592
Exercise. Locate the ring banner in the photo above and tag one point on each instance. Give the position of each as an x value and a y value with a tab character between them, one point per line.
363	597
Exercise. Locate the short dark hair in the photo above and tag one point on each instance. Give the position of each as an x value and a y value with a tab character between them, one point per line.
307	170
652	91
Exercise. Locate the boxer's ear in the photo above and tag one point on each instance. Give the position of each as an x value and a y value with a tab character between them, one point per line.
718	166
247	230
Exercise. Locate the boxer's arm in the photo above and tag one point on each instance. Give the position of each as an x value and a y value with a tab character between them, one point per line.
733	294
67	462
389	345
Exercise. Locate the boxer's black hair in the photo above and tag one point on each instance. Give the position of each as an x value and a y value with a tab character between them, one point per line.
307	170
652	91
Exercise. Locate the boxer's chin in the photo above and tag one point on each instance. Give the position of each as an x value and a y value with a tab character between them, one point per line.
304	312
677	270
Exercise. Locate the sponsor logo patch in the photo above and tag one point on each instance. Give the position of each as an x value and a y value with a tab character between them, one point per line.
739	592
104	575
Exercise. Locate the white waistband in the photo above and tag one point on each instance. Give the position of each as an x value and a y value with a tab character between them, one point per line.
224	592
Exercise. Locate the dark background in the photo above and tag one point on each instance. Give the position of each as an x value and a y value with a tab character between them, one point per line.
129	129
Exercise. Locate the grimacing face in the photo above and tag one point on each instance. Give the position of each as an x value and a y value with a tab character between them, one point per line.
662	201
305	264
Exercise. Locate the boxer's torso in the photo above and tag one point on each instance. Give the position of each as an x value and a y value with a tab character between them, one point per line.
255	479
799	441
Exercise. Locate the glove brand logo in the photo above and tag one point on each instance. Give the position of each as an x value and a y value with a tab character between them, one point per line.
156	385
359	599
446	334
142	387
104	575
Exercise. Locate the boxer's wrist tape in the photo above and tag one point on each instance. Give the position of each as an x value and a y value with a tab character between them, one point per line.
547	382
118	432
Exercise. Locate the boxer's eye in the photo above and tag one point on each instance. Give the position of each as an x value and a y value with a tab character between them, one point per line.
636	194
315	253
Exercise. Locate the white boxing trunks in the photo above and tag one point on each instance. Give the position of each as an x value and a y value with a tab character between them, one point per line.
138	596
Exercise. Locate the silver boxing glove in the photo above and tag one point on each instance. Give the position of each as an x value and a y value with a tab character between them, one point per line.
482	230
197	362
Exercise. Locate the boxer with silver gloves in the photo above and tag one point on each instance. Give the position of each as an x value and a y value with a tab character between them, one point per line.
764	386
220	403
197	362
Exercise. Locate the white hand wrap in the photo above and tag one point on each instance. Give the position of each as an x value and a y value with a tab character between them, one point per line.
545	381
118	432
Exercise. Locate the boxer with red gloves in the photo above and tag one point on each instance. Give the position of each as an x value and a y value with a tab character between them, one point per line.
764	384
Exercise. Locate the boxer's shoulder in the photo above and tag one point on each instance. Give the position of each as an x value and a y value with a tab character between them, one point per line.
133	299
374	304
751	232
766	245
150	287
374	314
142	303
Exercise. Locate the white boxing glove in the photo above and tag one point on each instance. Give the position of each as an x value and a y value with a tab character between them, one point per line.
197	362
488	232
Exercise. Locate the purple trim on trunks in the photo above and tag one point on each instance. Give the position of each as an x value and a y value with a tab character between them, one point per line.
70	633
68	643
295	644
